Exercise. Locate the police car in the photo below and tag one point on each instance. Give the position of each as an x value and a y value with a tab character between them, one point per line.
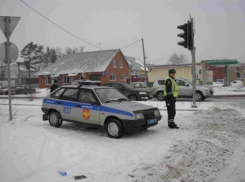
98	105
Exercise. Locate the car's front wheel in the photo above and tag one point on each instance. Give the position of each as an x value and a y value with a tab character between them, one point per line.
160	95
114	128
55	119
132	98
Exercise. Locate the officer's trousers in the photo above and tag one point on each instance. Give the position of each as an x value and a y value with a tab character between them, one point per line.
171	110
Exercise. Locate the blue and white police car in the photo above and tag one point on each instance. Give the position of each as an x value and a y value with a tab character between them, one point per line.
98	105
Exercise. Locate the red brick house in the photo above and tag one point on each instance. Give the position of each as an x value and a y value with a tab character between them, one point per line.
105	66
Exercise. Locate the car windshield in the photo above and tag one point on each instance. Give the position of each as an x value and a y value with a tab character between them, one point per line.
109	94
188	81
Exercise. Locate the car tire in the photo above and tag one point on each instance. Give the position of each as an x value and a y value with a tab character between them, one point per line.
132	98
199	96
114	128
160	95
55	119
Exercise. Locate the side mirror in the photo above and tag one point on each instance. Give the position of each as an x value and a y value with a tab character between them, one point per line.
186	84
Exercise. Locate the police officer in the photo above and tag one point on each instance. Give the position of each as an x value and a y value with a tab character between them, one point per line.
54	86
170	93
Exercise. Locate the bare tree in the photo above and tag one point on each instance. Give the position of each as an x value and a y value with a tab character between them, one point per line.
177	59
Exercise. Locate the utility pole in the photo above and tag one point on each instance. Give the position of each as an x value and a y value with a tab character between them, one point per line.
146	80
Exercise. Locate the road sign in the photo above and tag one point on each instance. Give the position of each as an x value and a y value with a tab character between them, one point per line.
13	22
14	52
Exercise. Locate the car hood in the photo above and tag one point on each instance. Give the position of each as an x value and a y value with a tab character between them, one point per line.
127	106
203	87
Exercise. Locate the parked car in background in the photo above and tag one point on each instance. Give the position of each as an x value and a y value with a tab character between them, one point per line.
219	82
185	89
24	89
133	94
6	91
2	92
237	83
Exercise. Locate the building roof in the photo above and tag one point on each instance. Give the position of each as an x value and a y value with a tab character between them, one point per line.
96	61
173	65
136	64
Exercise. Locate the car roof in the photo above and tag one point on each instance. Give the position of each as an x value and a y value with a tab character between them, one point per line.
84	86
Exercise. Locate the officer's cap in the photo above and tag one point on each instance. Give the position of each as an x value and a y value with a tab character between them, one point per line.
171	71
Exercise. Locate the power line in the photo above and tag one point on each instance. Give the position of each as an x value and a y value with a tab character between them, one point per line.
59	25
131	44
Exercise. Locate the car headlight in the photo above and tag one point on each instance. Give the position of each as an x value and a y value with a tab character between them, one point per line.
142	93
157	113
138	116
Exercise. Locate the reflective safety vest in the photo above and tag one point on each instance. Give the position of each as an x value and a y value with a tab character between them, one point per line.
175	89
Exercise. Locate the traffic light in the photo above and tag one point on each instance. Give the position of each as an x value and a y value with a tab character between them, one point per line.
183	35
187	35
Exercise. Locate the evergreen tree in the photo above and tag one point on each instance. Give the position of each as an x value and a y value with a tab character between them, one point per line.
46	56
53	56
32	55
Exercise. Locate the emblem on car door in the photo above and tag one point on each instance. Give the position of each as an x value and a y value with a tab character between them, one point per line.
86	113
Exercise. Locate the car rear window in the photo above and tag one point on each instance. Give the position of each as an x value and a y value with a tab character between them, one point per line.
161	82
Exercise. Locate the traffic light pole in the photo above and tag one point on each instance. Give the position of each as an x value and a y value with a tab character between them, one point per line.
193	71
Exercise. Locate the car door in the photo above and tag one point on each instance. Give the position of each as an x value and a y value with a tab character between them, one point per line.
67	104
88	108
184	87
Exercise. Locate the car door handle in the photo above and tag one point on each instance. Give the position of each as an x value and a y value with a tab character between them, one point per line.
78	105
58	102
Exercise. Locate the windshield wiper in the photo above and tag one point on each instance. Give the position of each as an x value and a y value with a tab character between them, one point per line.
121	99
115	99
107	101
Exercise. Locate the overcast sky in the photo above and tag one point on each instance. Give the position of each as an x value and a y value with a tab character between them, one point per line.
113	24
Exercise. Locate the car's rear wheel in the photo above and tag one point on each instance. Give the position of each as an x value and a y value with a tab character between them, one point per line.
114	128
132	98
55	119
160	95
199	96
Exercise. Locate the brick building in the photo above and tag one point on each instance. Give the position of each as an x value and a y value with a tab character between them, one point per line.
104	66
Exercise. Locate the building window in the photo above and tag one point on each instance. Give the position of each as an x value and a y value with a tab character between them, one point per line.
114	63
66	80
112	77
48	80
122	76
95	77
120	64
238	75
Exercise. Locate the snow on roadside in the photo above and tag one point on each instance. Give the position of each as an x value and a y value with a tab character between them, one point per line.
202	157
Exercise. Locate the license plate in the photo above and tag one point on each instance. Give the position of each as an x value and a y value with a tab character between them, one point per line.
152	121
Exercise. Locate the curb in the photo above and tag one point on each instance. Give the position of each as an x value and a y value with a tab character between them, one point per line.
229	95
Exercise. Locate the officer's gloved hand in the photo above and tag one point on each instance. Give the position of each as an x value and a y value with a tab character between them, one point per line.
171	97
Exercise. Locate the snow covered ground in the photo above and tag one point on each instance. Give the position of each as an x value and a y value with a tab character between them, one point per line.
209	146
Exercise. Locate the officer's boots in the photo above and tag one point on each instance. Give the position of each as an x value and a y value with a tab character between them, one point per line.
172	125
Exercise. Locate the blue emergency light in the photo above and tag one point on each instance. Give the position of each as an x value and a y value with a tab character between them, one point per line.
88	82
